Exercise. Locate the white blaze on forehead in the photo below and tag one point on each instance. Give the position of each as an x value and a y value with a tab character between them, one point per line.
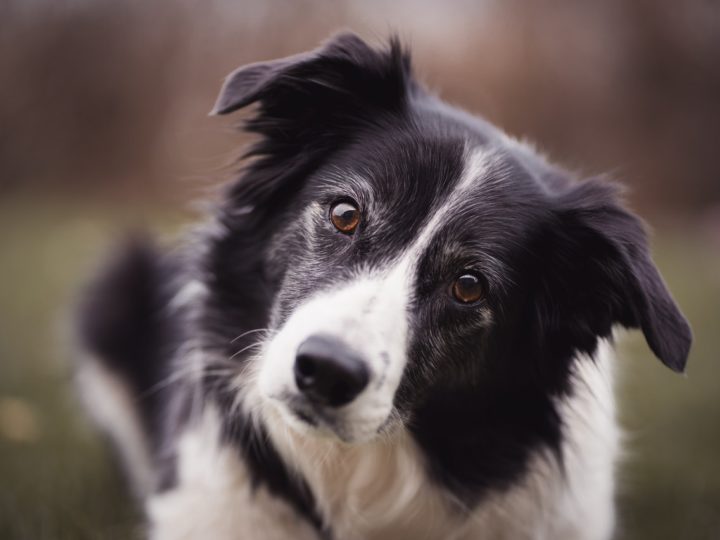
370	314
477	164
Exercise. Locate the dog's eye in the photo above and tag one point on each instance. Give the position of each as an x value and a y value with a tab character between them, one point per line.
345	215
467	289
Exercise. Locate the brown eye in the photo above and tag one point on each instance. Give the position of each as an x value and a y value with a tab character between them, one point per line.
345	216
467	289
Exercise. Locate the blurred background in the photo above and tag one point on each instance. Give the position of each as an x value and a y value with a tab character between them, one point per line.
104	129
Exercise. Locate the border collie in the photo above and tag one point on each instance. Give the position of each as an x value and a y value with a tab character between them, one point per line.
398	323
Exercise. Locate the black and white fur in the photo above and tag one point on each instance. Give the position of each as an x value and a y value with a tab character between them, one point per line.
489	420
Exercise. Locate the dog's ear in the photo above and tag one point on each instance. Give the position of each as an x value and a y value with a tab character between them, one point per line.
598	272
309	105
345	71
246	84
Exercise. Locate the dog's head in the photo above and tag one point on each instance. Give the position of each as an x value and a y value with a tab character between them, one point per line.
402	253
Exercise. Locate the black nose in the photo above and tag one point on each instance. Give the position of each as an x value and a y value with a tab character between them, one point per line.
328	372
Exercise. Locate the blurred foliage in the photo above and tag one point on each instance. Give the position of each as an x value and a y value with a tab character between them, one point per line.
113	95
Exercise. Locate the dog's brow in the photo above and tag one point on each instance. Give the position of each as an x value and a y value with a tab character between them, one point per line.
477	163
347	180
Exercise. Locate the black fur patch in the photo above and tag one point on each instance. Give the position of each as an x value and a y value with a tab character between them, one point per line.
122	322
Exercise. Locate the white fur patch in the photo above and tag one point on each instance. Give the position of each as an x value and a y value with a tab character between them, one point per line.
377	489
214	497
369	316
111	405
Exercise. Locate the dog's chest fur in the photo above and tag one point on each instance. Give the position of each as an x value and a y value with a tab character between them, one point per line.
382	490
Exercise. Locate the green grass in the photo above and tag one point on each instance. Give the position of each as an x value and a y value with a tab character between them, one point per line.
57	476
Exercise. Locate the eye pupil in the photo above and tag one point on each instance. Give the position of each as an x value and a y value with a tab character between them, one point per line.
345	216
467	289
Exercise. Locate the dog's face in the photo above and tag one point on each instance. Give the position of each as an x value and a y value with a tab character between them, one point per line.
406	257
383	275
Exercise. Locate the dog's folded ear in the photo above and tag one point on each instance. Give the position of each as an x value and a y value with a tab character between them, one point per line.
246	84
345	70
599	272
309	105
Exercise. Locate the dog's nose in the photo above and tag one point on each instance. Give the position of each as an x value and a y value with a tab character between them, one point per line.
328	372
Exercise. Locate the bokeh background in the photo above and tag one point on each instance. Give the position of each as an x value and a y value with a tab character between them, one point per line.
104	129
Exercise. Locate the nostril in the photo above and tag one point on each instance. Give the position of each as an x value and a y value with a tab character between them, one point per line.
305	370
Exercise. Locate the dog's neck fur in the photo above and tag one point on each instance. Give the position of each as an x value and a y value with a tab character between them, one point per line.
378	489
382	489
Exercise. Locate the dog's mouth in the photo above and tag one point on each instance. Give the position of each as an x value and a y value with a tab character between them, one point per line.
303	416
309	419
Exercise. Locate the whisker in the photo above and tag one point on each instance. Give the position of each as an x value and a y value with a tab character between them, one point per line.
250	332
164	383
256	344
188	370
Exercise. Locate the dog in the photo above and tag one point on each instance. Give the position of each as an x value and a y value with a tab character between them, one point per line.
397	323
